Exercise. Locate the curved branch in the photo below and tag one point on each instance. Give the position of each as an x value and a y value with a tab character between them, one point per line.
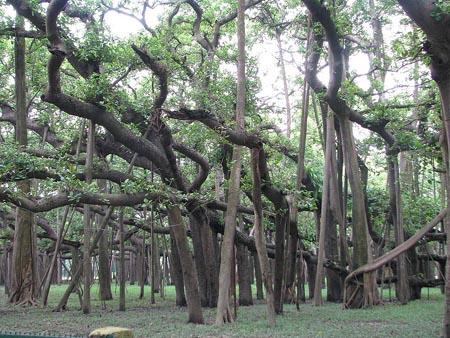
56	47
199	37
197	158
160	71
390	255
321	14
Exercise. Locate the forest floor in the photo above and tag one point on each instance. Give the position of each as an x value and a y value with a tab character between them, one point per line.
420	318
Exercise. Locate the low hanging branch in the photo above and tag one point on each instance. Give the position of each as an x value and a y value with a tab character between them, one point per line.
390	255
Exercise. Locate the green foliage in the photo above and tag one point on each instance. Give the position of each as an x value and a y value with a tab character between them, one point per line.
417	210
95	45
378	203
18	163
408	44
440	9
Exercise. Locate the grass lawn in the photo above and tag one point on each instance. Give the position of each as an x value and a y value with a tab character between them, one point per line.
417	319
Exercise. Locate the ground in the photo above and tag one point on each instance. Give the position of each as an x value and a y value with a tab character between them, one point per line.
417	319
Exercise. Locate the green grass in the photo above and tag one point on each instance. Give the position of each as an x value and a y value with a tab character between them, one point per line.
417	319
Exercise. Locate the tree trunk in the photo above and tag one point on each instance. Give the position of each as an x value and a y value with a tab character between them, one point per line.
153	254
402	286
87	266
311	271
243	266
293	218
324	209
224	314
176	273
24	275
212	278
258	278
291	267
132	267
357	296
415	291
204	254
334	281
260	240
140	263
444	88
104	271
8	278
281	221
199	258
176	224
122	279
3	267
301	297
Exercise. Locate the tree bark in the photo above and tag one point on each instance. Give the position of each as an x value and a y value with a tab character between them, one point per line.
153	254
140	264
224	314
199	258
87	266
104	271
300	173
244	277
324	209
122	278
24	273
260	240
334	281
212	278
357	296
258	278
176	224
176	273
281	222
444	88
402	285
